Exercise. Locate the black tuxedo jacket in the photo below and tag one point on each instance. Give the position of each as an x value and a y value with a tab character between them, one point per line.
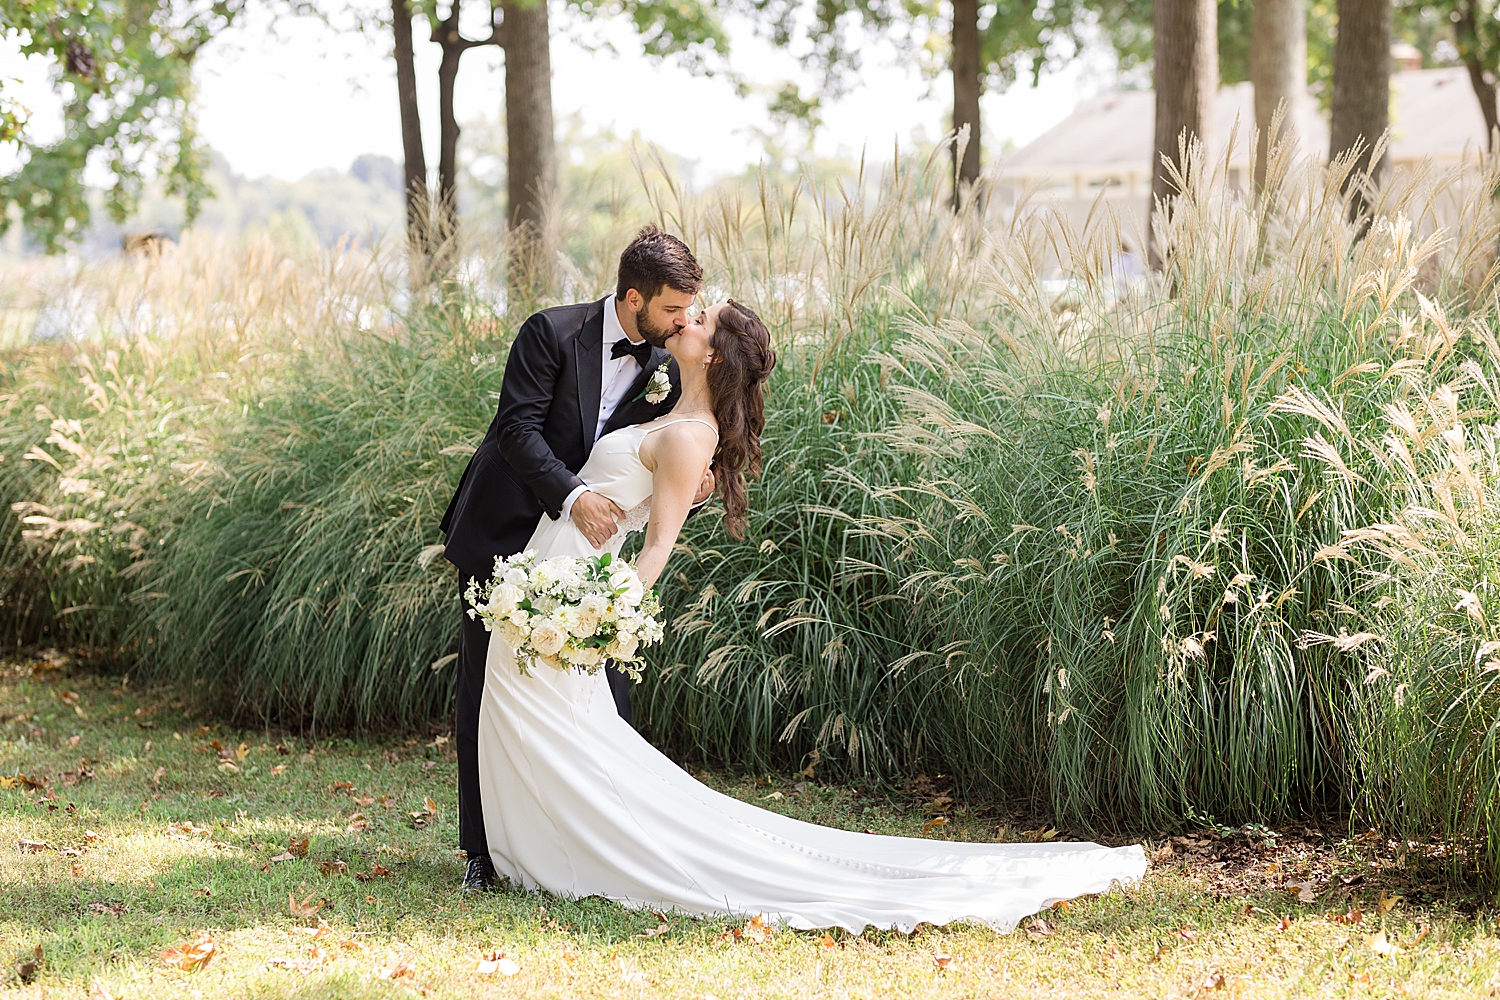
542	434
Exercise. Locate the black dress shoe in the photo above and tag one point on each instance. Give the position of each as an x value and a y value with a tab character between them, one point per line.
479	876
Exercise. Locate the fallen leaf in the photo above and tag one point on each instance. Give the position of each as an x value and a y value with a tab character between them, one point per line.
942	961
26	969
285	856
1381	945
1038	928
33	846
363	801
935	821
827	941
304	909
69	698
1286	923
341	786
656	931
1185	933
430	806
1388	903
757	930
297	846
772	796
102	992
394	971
331	868
1304	891
191	955
493	963
628	970
378	870
279	769
1212	981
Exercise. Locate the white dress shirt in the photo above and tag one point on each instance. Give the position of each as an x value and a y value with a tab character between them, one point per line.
618	375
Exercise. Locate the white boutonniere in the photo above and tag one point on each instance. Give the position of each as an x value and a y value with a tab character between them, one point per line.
659	386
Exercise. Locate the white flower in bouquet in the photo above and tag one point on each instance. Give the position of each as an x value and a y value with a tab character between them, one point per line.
512	633
504	599
548	636
568	613
627	585
624	646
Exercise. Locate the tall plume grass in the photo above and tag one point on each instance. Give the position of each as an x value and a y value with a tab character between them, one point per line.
1213	542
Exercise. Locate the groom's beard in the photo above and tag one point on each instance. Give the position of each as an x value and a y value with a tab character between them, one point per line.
656	336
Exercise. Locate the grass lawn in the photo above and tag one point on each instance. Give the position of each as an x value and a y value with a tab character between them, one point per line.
132	824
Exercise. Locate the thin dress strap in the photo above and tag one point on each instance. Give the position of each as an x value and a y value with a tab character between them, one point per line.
685	420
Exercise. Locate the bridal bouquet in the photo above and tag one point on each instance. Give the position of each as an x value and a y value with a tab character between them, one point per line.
568	611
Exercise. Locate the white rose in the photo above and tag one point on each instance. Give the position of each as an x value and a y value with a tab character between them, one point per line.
589	656
515	576
504	599
625	645
594	605
520	617
585	625
547	637
627	585
512	634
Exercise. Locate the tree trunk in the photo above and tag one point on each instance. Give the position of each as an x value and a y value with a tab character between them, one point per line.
1361	111
1278	71
1465	25
531	155
415	162
968	82
453	50
1185	47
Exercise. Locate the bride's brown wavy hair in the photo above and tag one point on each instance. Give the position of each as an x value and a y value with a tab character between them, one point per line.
742	361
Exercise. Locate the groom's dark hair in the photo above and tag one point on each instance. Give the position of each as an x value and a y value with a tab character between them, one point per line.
654	260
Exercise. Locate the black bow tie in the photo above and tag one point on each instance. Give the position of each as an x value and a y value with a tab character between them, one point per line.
641	352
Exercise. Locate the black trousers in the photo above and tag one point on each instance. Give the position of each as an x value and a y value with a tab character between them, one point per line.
473	647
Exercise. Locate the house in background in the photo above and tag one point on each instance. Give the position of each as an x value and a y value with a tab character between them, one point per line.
1104	146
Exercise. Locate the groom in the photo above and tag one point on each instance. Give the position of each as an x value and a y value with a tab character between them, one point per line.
574	374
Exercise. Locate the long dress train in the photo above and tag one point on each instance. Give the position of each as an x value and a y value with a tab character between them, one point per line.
576	802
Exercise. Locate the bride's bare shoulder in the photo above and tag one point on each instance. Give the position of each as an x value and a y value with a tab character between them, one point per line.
683	440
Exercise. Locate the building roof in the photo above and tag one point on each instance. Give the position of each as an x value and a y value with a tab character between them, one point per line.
1434	113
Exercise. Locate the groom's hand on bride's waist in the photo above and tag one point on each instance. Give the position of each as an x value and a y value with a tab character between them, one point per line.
597	516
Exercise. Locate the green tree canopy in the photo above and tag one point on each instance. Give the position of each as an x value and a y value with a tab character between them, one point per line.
123	69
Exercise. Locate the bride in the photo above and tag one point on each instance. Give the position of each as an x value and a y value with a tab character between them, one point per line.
577	803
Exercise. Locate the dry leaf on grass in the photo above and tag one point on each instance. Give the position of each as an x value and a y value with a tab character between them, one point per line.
316	958
493	963
305	909
191	955
656	931
1304	891
284	856
33	846
1381	945
332	868
395	971
629	972
26	969
102	992
1212	981
297	846
827	942
935	821
942	961
1388	903
279	769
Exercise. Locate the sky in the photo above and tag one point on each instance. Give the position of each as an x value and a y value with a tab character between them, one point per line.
283	96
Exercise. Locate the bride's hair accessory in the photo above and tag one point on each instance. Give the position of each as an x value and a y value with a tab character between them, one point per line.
743	360
658	388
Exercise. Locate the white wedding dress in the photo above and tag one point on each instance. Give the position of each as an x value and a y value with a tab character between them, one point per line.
576	802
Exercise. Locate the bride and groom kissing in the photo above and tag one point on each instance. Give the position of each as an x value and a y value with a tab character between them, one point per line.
617	415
